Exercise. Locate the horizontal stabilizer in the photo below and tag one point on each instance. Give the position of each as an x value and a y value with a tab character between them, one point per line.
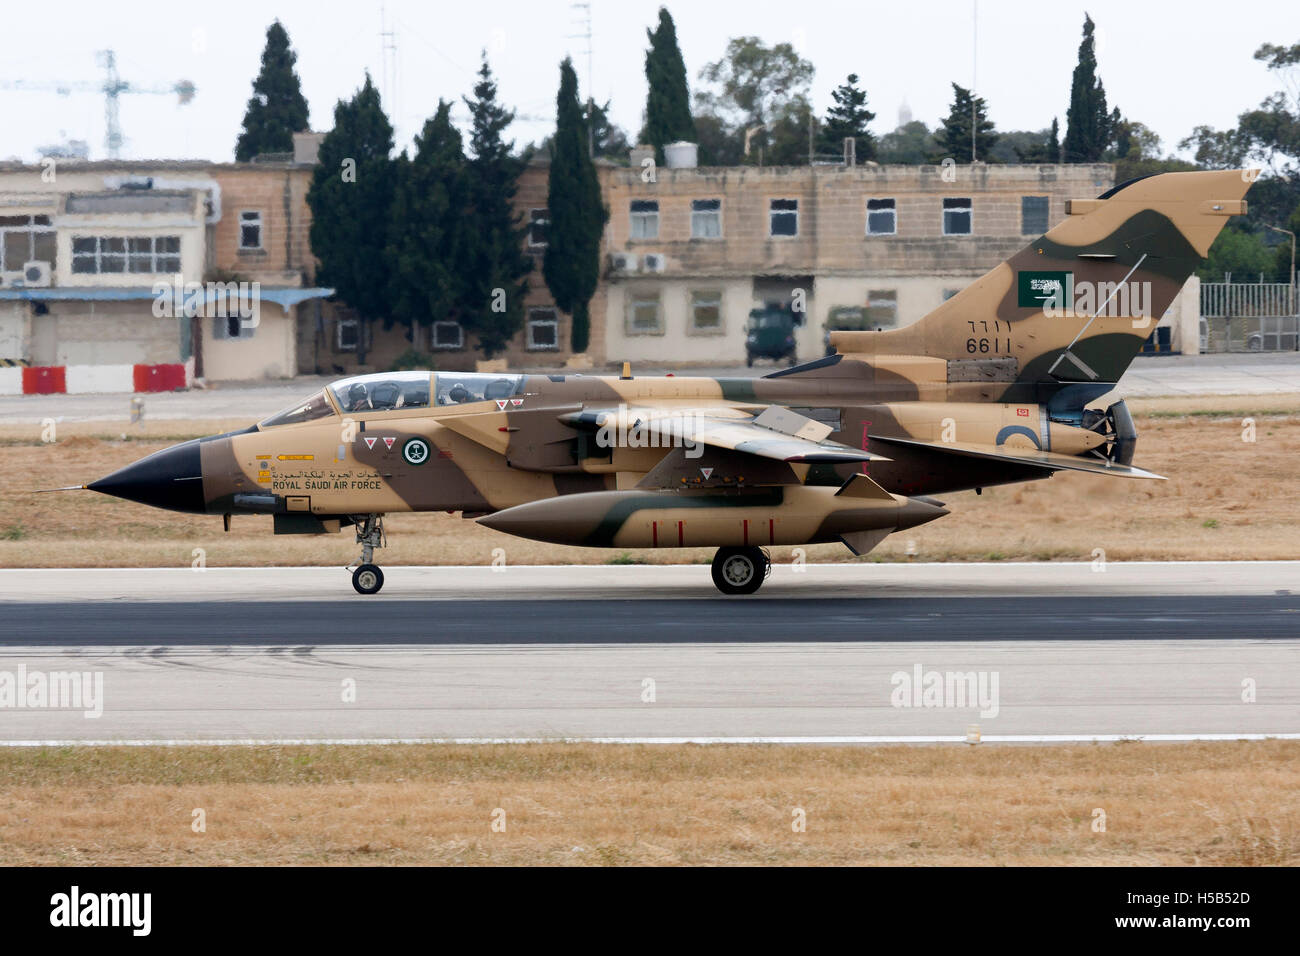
1048	460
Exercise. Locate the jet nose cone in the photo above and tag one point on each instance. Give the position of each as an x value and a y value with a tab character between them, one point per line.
171	478
917	511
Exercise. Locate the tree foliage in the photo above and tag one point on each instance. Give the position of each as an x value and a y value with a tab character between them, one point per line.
953	137
1089	125
495	240
848	119
350	197
572	261
668	100
277	108
756	85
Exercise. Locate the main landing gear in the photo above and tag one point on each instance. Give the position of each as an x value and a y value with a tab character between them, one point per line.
367	578
740	570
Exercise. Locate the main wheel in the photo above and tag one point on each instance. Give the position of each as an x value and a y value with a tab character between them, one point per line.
739	570
368	579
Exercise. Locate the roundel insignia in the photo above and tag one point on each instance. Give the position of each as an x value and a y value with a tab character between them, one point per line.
416	451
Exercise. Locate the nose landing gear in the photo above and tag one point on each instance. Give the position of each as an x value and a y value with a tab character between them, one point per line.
368	578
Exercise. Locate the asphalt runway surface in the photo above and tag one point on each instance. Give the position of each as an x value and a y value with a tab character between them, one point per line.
1024	651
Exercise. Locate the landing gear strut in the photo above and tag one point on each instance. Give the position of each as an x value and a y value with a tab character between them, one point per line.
740	570
367	578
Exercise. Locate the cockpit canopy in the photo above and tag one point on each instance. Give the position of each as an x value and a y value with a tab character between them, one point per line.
397	391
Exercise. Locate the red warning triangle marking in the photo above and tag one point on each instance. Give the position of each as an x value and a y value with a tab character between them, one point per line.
389	441
516	402
370	442
707	473
501	403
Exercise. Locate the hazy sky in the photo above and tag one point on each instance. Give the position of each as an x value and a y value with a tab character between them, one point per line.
1171	65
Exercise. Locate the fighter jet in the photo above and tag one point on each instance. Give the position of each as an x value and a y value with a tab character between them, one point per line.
994	386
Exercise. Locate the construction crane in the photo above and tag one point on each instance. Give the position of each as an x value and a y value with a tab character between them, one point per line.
112	86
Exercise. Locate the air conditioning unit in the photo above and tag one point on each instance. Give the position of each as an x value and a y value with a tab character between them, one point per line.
622	262
36	274
654	262
11	280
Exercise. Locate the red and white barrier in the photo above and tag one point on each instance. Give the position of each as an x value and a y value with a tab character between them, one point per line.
96	379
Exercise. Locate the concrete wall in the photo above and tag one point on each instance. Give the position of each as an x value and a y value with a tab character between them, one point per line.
103	333
270	352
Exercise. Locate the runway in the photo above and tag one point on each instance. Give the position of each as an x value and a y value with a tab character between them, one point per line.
837	653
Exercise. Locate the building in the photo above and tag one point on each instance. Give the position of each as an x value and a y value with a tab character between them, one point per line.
126	276
692	251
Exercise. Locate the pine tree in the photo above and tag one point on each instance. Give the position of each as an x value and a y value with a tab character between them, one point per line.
496	234
277	108
953	137
350	197
848	119
668	102
1047	151
428	227
1088	123
578	217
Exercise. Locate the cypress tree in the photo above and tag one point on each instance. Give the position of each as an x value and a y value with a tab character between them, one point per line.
277	108
495	234
953	137
428	227
1088	124
572	261
848	119
668	102
350	197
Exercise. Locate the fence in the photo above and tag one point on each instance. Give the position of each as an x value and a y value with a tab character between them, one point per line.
1249	317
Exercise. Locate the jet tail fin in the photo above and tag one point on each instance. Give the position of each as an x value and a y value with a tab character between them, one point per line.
1075	305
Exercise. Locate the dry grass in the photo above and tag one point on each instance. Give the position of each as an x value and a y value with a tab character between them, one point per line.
1232	803
1226	499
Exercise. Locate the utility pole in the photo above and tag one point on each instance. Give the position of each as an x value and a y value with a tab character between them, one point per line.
1291	277
974	72
585	7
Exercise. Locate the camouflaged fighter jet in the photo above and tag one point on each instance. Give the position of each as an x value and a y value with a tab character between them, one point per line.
993	386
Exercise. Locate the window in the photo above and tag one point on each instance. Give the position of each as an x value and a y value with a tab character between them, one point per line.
1033	215
783	217
93	255
706	218
447	336
882	217
882	309
250	229
643	314
231	327
348	335
949	293
538	224
24	239
645	218
706	312
956	217
543	330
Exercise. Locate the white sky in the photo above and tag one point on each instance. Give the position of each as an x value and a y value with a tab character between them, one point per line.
1172	64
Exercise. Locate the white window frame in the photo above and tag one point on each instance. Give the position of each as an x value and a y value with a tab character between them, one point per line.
339	325
160	262
255	221
697	297
635	298
640	221
437	346
969	209
539	317
891	209
700	216
773	212
545	220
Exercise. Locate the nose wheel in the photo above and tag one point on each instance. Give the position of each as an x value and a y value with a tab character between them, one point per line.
367	578
740	570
